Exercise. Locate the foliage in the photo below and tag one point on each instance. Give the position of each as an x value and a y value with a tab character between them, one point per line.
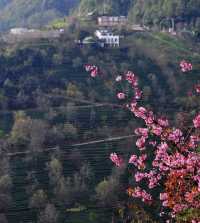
149	12
117	7
45	79
153	11
33	13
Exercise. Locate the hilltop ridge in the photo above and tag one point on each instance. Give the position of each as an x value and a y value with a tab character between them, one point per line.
33	14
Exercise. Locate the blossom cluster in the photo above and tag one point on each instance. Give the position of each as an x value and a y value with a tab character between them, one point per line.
185	66
175	167
133	80
117	160
197	88
175	159
139	193
94	71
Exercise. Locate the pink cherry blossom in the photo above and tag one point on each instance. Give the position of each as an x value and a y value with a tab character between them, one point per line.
196	121
140	112
142	132
133	159
138	93
149	120
139	193
131	78
153	178
94	72
163	122
197	88
88	67
185	66
139	176
121	96
140	143
138	162
92	69
193	141
163	196
141	161
175	135
179	207
117	160
157	130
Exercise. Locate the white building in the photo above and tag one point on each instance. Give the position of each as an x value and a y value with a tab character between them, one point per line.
20	31
107	37
112	20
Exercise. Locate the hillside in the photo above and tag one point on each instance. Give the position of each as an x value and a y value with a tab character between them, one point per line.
148	12
115	7
60	126
28	13
49	103
153	11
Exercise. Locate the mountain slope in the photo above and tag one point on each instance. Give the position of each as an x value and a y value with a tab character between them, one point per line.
37	13
114	7
151	12
29	13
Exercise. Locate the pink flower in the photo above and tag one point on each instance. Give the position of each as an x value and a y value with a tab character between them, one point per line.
121	96
179	207
197	88
92	69
88	67
140	112
138	161
185	66
163	122
193	141
139	193
176	135
140	143
157	130
142	132
165	203
196	121
139	176
153	178
141	161
163	196
138	93
133	159
118	161
149	120
94	72
131	78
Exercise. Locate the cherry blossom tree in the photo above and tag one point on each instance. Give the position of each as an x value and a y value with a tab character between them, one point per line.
168	159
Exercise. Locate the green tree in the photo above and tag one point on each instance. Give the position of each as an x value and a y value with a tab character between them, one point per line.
49	214
38	199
